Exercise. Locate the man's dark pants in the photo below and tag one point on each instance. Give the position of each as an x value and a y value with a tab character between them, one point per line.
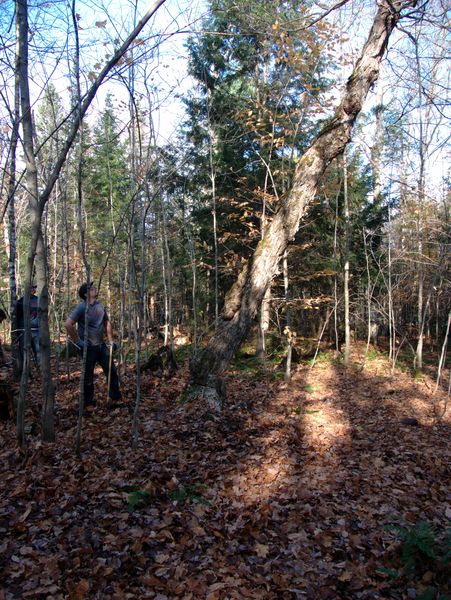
100	354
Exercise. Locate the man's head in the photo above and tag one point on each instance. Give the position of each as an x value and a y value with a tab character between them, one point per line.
83	290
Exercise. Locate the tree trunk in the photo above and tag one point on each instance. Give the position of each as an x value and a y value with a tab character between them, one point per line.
336	269
12	220
243	299
263	325
48	388
442	361
36	251
288	328
346	265
391	312
167	277
82	230
212	144
368	298
421	316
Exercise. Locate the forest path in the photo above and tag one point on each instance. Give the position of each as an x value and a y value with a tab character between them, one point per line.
286	494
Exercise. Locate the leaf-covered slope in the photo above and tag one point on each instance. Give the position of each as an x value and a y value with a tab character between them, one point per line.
285	495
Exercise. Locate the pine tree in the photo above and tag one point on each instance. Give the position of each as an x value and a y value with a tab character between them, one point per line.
250	119
106	184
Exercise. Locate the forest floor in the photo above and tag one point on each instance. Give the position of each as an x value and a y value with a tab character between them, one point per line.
291	492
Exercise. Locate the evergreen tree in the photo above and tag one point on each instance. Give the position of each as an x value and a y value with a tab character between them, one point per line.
107	183
260	83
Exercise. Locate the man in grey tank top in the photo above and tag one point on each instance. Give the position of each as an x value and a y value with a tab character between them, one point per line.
97	351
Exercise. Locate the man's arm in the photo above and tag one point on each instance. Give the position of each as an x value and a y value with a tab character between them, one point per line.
109	331
70	328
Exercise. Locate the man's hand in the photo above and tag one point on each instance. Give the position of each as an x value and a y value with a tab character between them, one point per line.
114	347
80	344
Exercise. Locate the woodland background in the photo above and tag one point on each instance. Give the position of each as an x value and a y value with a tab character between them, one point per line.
164	227
162	212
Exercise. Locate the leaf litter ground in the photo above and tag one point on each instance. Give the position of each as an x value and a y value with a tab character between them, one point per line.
286	494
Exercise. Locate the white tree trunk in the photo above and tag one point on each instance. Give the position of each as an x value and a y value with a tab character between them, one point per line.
346	265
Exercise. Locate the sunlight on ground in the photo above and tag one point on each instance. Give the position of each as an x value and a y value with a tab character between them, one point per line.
311	427
315	428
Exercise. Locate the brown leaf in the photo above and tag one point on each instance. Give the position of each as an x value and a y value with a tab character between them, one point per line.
152	582
81	589
261	550
161	558
24	516
216	586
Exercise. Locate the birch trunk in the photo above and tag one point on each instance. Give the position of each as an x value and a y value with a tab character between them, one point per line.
336	266
244	298
288	329
391	312
346	266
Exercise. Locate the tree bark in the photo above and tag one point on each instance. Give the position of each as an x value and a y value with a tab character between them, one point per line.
36	251
12	218
288	329
346	266
245	296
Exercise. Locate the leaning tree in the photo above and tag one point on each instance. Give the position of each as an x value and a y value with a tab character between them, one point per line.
244	297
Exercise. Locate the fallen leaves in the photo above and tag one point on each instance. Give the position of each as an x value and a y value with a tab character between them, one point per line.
261	550
284	496
81	589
